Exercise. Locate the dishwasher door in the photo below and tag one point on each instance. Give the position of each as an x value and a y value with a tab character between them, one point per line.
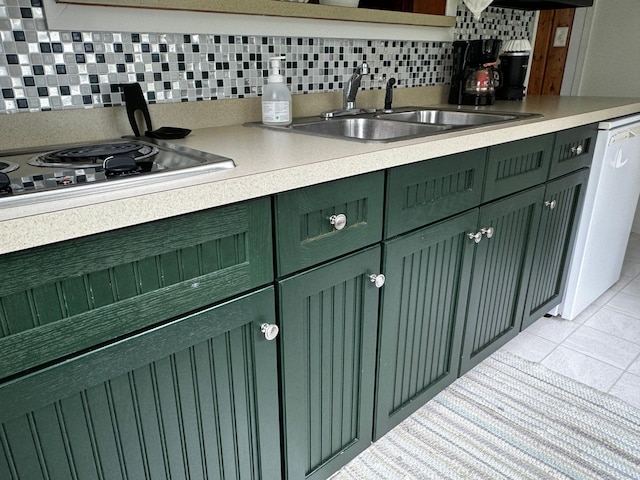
610	204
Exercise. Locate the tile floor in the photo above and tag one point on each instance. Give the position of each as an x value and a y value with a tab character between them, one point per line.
600	347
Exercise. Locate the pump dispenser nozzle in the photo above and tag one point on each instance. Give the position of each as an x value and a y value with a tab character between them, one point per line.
275	75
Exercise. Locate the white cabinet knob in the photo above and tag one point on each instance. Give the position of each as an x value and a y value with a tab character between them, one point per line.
551	204
338	221
576	150
476	237
270	330
488	231
377	280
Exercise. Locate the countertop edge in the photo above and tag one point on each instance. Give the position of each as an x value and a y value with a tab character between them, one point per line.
31	226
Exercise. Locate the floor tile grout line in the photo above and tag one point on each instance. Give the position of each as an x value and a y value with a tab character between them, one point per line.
637	359
623	369
617	380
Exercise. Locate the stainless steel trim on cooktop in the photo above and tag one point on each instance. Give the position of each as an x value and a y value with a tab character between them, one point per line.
174	162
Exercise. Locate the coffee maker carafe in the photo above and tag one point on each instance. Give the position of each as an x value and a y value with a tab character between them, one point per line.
475	77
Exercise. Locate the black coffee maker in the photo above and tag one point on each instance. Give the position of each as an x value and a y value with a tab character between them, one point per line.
514	61
513	70
474	77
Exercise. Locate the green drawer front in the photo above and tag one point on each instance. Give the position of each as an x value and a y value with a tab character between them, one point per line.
304	233
62	298
517	165
196	398
429	191
573	150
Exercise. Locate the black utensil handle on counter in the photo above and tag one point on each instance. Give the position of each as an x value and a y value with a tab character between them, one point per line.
134	99
168	133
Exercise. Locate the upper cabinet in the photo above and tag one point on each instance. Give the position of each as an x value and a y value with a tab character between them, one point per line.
432	7
404	12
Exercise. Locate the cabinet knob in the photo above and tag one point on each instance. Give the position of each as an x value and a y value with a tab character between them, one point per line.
377	280
270	330
338	221
551	204
476	237
576	150
489	231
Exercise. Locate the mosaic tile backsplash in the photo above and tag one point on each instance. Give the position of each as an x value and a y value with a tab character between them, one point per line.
42	69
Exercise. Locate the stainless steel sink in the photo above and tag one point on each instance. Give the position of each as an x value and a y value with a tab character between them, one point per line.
452	118
401	124
368	129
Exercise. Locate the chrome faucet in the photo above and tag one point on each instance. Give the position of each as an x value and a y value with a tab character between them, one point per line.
349	95
352	86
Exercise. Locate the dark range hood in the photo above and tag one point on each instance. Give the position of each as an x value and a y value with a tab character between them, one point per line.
541	4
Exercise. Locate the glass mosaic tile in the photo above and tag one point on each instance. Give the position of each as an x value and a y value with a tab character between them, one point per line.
45	70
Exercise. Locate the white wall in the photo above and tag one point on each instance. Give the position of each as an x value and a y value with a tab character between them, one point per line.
605	54
612	60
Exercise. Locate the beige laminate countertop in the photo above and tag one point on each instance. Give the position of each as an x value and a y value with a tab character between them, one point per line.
269	162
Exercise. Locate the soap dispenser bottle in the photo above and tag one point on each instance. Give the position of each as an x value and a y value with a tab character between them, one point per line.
276	97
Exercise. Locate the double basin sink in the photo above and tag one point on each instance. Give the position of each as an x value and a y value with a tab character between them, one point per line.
400	124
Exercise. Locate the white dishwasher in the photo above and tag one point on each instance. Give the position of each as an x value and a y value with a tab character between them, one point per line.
610	204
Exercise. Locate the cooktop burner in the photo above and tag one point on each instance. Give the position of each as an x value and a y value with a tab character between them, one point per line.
88	156
6	167
97	166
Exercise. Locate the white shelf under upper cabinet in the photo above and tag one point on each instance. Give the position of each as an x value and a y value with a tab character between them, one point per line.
246	17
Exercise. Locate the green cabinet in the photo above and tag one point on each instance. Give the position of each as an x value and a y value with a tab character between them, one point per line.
562	205
501	267
328	319
573	150
117	362
195	398
318	223
422	316
63	298
425	192
518	165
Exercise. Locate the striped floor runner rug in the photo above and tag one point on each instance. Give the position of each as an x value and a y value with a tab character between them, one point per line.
511	419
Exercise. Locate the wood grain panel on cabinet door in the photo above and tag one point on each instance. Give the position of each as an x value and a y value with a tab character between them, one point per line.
328	341
59	299
501	269
423	305
196	398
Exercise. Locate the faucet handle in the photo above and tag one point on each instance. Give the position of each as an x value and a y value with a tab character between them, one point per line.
388	97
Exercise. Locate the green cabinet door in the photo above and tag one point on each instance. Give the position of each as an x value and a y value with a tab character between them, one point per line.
558	224
196	398
60	299
423	305
501	269
328	348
